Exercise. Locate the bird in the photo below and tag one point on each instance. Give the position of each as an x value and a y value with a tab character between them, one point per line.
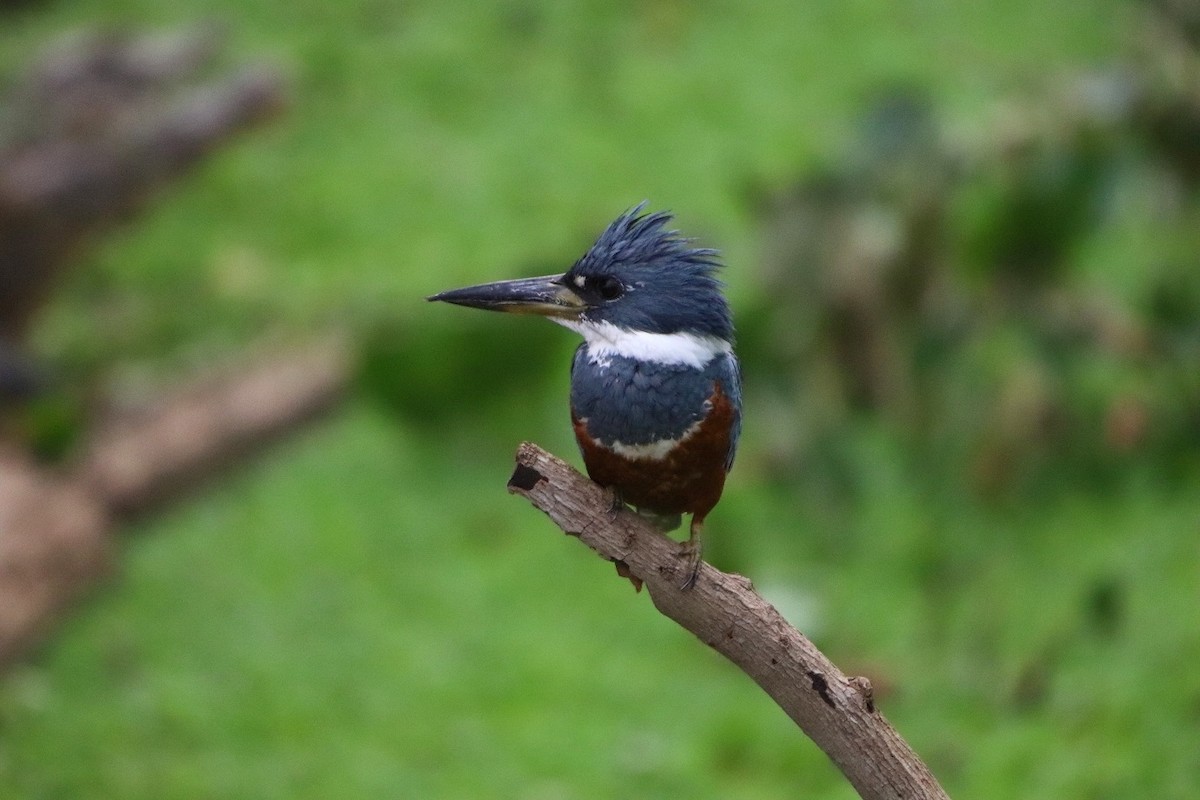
655	386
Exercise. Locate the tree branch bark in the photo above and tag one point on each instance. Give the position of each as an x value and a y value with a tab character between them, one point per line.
724	612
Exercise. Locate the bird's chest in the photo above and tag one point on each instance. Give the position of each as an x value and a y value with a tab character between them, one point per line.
660	434
628	403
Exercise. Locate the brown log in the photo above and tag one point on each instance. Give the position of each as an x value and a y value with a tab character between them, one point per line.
88	135
94	129
135	461
56	527
723	610
54	543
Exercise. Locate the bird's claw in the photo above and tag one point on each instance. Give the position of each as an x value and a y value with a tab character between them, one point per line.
691	552
616	505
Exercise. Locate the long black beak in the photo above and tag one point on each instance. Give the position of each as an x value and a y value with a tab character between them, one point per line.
546	295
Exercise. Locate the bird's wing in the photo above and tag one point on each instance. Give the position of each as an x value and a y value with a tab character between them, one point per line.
733	388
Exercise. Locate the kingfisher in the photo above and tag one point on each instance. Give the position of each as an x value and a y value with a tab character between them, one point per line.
656	400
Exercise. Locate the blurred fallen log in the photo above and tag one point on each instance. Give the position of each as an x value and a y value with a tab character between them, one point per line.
135	461
57	527
723	611
54	542
88	135
92	131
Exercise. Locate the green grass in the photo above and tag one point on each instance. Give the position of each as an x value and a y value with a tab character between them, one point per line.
364	612
354	641
295	634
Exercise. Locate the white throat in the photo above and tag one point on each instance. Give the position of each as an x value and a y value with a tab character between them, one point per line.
606	340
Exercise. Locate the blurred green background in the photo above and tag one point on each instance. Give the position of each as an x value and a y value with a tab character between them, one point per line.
366	612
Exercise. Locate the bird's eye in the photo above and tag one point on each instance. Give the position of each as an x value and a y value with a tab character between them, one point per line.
609	287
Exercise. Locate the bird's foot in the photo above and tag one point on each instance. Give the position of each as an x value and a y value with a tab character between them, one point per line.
691	553
616	504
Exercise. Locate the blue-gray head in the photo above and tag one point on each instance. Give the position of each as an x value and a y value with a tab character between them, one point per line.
638	277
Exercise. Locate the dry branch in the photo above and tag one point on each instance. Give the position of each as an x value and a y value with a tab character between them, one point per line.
724	611
56	527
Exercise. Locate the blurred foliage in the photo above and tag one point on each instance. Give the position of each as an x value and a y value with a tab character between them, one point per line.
940	282
439	375
47	422
366	613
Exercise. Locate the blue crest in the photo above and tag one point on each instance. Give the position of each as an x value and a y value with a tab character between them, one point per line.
668	285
